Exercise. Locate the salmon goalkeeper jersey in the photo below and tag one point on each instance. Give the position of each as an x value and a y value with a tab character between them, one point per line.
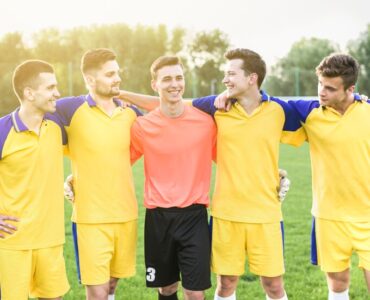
177	157
247	179
31	183
340	159
99	149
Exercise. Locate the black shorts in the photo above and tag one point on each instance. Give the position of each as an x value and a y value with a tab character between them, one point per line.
177	241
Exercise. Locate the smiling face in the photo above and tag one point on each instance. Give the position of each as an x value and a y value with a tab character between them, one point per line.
169	83
43	93
236	81
106	80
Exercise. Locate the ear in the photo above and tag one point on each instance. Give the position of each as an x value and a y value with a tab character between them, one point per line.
89	79
351	89
28	94
253	78
154	85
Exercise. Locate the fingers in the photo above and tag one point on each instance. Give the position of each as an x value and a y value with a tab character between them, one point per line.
6	227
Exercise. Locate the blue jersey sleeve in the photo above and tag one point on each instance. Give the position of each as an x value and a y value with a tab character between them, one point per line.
5	127
303	108
206	104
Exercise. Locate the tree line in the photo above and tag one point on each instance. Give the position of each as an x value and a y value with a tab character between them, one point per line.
137	47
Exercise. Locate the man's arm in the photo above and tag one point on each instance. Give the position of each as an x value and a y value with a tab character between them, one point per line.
5	227
143	101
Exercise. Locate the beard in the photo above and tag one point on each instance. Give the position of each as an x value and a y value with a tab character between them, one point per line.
107	92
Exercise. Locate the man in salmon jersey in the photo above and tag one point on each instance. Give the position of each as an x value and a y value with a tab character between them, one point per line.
178	143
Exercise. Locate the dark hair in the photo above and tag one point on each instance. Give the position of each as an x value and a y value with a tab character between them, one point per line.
252	62
95	58
163	61
26	74
342	65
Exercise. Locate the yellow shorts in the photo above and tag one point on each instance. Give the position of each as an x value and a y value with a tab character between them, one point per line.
105	250
336	241
233	241
38	273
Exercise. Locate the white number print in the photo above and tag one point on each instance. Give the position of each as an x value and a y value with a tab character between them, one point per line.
150	274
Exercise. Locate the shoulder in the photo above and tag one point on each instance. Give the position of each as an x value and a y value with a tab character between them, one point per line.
6	125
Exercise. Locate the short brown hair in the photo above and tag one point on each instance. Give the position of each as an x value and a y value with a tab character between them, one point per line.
95	58
163	61
342	65
26	75
252	62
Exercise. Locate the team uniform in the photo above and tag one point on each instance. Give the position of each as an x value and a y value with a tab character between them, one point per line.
177	158
340	159
105	208
246	210
31	188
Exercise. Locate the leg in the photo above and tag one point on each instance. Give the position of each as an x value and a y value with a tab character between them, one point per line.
112	286
169	289
273	286
193	295
226	285
97	292
367	279
338	281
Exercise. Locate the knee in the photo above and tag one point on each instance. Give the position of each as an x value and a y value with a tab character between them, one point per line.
227	284
338	282
112	285
193	295
273	286
168	290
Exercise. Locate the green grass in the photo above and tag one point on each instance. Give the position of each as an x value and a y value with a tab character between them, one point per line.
302	280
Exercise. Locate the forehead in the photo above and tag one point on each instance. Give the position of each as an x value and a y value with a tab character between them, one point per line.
234	64
172	71
109	66
331	81
45	79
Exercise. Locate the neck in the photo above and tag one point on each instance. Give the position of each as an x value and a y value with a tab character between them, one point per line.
105	103
250	101
343	106
31	117
172	110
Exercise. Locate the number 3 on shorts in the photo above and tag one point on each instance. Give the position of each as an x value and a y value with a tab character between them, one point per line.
150	274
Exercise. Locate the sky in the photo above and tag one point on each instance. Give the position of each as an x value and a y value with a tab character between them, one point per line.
269	27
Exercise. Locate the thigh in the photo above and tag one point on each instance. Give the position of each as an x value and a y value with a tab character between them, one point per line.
193	240
360	233
123	263
160	249
15	274
228	247
265	249
334	245
95	247
49	273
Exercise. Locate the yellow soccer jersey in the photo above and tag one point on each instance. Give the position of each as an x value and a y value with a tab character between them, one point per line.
99	149
31	183
340	159
247	158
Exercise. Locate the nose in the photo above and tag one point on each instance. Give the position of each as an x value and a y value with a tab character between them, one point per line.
56	93
225	79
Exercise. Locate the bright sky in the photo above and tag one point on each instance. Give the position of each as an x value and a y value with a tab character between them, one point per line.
269	27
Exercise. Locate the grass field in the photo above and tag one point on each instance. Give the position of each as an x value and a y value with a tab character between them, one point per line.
302	280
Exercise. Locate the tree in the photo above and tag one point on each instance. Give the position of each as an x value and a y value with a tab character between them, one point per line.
295	74
207	55
360	49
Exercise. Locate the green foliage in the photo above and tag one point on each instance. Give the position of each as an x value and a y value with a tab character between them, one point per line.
136	49
294	74
360	49
207	55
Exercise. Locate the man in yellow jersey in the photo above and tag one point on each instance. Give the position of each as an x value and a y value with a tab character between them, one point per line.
105	208
31	190
338	131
